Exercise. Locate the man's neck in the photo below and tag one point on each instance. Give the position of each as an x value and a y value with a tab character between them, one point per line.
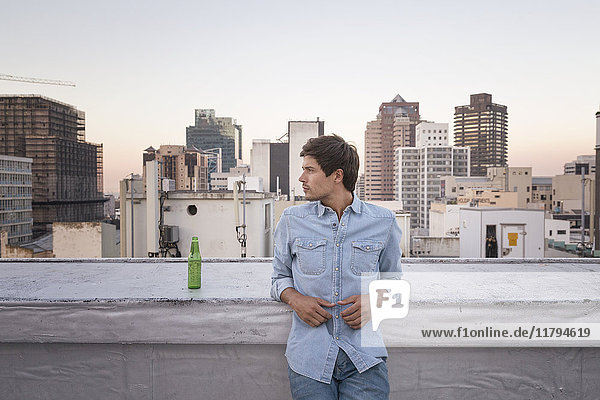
339	202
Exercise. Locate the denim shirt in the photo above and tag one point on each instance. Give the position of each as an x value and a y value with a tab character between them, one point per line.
322	257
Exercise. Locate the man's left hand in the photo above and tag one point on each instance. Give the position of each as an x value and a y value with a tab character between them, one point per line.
353	315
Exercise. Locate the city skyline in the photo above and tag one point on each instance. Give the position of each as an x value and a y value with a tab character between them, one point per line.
141	69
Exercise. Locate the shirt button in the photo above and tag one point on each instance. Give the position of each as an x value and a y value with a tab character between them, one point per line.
343	224
337	338
337	316
337	269
336	293
337	244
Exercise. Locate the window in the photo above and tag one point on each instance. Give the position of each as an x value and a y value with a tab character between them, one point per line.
550	232
561	232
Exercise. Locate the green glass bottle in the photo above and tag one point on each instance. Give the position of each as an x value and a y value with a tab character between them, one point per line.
194	266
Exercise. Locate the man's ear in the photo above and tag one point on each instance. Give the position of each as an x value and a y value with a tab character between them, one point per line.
339	175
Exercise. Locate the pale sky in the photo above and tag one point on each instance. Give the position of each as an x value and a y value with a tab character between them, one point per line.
141	68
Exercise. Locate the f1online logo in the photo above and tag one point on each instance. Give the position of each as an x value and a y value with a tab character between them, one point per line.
388	299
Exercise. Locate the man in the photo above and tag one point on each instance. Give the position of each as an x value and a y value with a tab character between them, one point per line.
321	250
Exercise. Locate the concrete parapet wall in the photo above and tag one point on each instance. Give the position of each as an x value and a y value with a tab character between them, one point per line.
130	328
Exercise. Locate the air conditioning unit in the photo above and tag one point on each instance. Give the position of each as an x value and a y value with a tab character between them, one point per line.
168	185
169	233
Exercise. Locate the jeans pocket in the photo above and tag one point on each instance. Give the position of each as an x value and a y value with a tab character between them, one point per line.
311	255
365	255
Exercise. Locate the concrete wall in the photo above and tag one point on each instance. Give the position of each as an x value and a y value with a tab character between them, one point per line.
444	220
84	239
132	330
425	246
7	251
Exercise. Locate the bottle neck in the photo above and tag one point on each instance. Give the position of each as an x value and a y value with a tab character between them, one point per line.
195	248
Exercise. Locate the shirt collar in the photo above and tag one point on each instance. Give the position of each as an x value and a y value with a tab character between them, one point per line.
356	206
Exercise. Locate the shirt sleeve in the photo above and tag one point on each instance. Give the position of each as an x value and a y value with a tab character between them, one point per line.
390	257
282	277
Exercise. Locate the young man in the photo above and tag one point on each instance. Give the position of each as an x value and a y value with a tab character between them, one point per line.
321	250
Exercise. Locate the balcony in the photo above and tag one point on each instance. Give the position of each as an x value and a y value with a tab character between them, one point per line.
130	329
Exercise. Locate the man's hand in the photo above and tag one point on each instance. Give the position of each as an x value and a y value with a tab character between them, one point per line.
353	315
308	308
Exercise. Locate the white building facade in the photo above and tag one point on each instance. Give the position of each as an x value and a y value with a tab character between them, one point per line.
418	170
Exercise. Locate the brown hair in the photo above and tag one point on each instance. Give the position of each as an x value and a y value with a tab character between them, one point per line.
332	152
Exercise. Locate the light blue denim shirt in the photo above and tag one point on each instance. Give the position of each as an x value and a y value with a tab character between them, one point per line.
322	257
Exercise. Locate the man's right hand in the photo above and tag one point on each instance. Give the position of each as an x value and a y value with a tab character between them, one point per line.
308	308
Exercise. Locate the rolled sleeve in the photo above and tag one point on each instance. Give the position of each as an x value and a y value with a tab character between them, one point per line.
282	277
390	257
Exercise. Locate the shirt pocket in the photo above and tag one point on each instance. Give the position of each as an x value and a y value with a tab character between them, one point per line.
311	255
365	254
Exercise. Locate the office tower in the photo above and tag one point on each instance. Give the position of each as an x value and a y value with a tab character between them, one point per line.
482	126
270	161
211	132
298	134
66	170
418	170
588	162
395	126
186	166
15	199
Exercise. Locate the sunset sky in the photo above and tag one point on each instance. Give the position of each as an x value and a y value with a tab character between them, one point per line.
142	68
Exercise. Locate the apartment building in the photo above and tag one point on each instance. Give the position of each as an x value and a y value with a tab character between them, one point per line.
418	170
482	126
15	199
394	127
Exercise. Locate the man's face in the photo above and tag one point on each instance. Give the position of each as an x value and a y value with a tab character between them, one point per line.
315	184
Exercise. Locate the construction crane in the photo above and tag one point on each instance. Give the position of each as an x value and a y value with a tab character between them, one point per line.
35	80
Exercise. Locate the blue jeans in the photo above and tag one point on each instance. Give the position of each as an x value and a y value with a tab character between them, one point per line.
346	384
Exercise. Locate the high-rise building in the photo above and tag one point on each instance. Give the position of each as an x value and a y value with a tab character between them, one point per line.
482	126
395	126
186	166
418	170
66	170
298	134
211	132
15	199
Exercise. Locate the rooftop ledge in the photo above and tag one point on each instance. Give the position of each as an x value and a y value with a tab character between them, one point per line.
147	300
130	328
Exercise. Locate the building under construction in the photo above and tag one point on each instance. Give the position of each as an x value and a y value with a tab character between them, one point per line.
66	171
